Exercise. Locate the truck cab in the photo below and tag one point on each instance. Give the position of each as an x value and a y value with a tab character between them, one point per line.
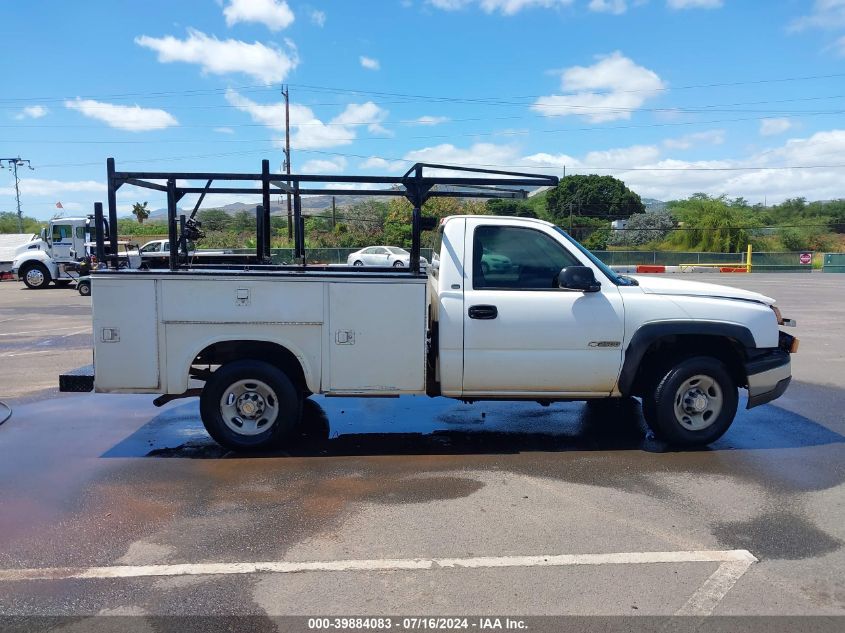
54	256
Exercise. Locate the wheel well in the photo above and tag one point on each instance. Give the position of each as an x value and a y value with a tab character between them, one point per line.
668	351
272	353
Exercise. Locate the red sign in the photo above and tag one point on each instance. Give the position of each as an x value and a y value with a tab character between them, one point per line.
805	258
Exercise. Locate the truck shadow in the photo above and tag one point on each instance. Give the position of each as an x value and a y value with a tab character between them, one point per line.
423	426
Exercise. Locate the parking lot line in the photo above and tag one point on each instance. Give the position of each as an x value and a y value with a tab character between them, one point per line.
710	594
736	558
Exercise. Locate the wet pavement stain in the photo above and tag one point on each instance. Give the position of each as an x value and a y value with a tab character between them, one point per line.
164	480
777	535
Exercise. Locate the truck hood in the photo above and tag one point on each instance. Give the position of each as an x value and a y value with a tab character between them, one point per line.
669	286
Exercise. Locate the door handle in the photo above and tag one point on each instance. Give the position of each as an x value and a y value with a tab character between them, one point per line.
483	312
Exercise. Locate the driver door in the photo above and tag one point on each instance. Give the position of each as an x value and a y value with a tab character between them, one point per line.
62	242
522	333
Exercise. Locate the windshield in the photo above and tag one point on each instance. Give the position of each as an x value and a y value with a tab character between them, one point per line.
619	280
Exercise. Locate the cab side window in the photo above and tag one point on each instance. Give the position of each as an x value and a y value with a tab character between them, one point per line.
62	232
516	258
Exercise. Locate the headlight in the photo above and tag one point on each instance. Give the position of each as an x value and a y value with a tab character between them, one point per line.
781	320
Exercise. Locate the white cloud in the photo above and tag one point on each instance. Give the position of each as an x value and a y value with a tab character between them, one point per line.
609	90
645	170
221	57
429	120
133	118
224	130
770	127
309	132
32	112
616	7
324	165
839	46
505	7
694	4
40	187
274	14
687	141
369	63
826	14
318	18
477	155
823	148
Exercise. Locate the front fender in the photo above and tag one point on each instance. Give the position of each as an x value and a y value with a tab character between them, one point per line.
35	256
649	333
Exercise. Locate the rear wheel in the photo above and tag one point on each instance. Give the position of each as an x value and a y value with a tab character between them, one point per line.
693	404
35	276
250	406
84	288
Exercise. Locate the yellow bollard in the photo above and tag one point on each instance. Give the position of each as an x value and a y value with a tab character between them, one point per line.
748	260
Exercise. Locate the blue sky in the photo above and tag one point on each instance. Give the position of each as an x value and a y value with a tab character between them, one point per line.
672	96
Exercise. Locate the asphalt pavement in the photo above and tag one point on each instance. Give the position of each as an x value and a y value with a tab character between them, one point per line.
417	505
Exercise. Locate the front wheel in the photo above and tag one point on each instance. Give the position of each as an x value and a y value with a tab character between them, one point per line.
358	262
398	264
84	288
250	406
694	403
35	276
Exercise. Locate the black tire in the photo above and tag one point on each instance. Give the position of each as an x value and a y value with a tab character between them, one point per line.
30	277
288	405
84	288
398	264
701	376
358	262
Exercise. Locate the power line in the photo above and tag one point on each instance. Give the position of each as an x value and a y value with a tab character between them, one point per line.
336	90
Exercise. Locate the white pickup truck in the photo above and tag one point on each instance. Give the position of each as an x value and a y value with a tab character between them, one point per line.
553	324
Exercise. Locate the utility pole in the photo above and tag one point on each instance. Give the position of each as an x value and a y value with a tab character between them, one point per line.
334	217
285	93
13	164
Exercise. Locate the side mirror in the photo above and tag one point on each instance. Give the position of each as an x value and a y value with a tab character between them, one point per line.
578	278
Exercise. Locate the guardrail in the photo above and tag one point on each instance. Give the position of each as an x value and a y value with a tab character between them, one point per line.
801	262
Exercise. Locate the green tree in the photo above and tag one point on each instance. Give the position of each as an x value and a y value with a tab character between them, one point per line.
9	223
243	221
710	224
140	211
214	219
504	206
591	196
643	228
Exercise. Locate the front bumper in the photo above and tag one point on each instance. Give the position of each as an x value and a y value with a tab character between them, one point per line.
769	375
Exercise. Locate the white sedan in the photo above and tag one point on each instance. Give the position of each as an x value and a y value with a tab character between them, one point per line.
383	256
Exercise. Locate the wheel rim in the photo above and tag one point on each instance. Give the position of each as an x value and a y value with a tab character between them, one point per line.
698	402
249	407
85	290
35	277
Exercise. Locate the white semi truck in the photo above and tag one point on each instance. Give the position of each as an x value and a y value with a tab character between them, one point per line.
554	324
56	254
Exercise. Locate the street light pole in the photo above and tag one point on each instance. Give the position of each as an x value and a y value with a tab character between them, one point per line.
13	164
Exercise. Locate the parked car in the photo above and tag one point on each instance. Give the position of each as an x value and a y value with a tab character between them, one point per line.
381	256
495	263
